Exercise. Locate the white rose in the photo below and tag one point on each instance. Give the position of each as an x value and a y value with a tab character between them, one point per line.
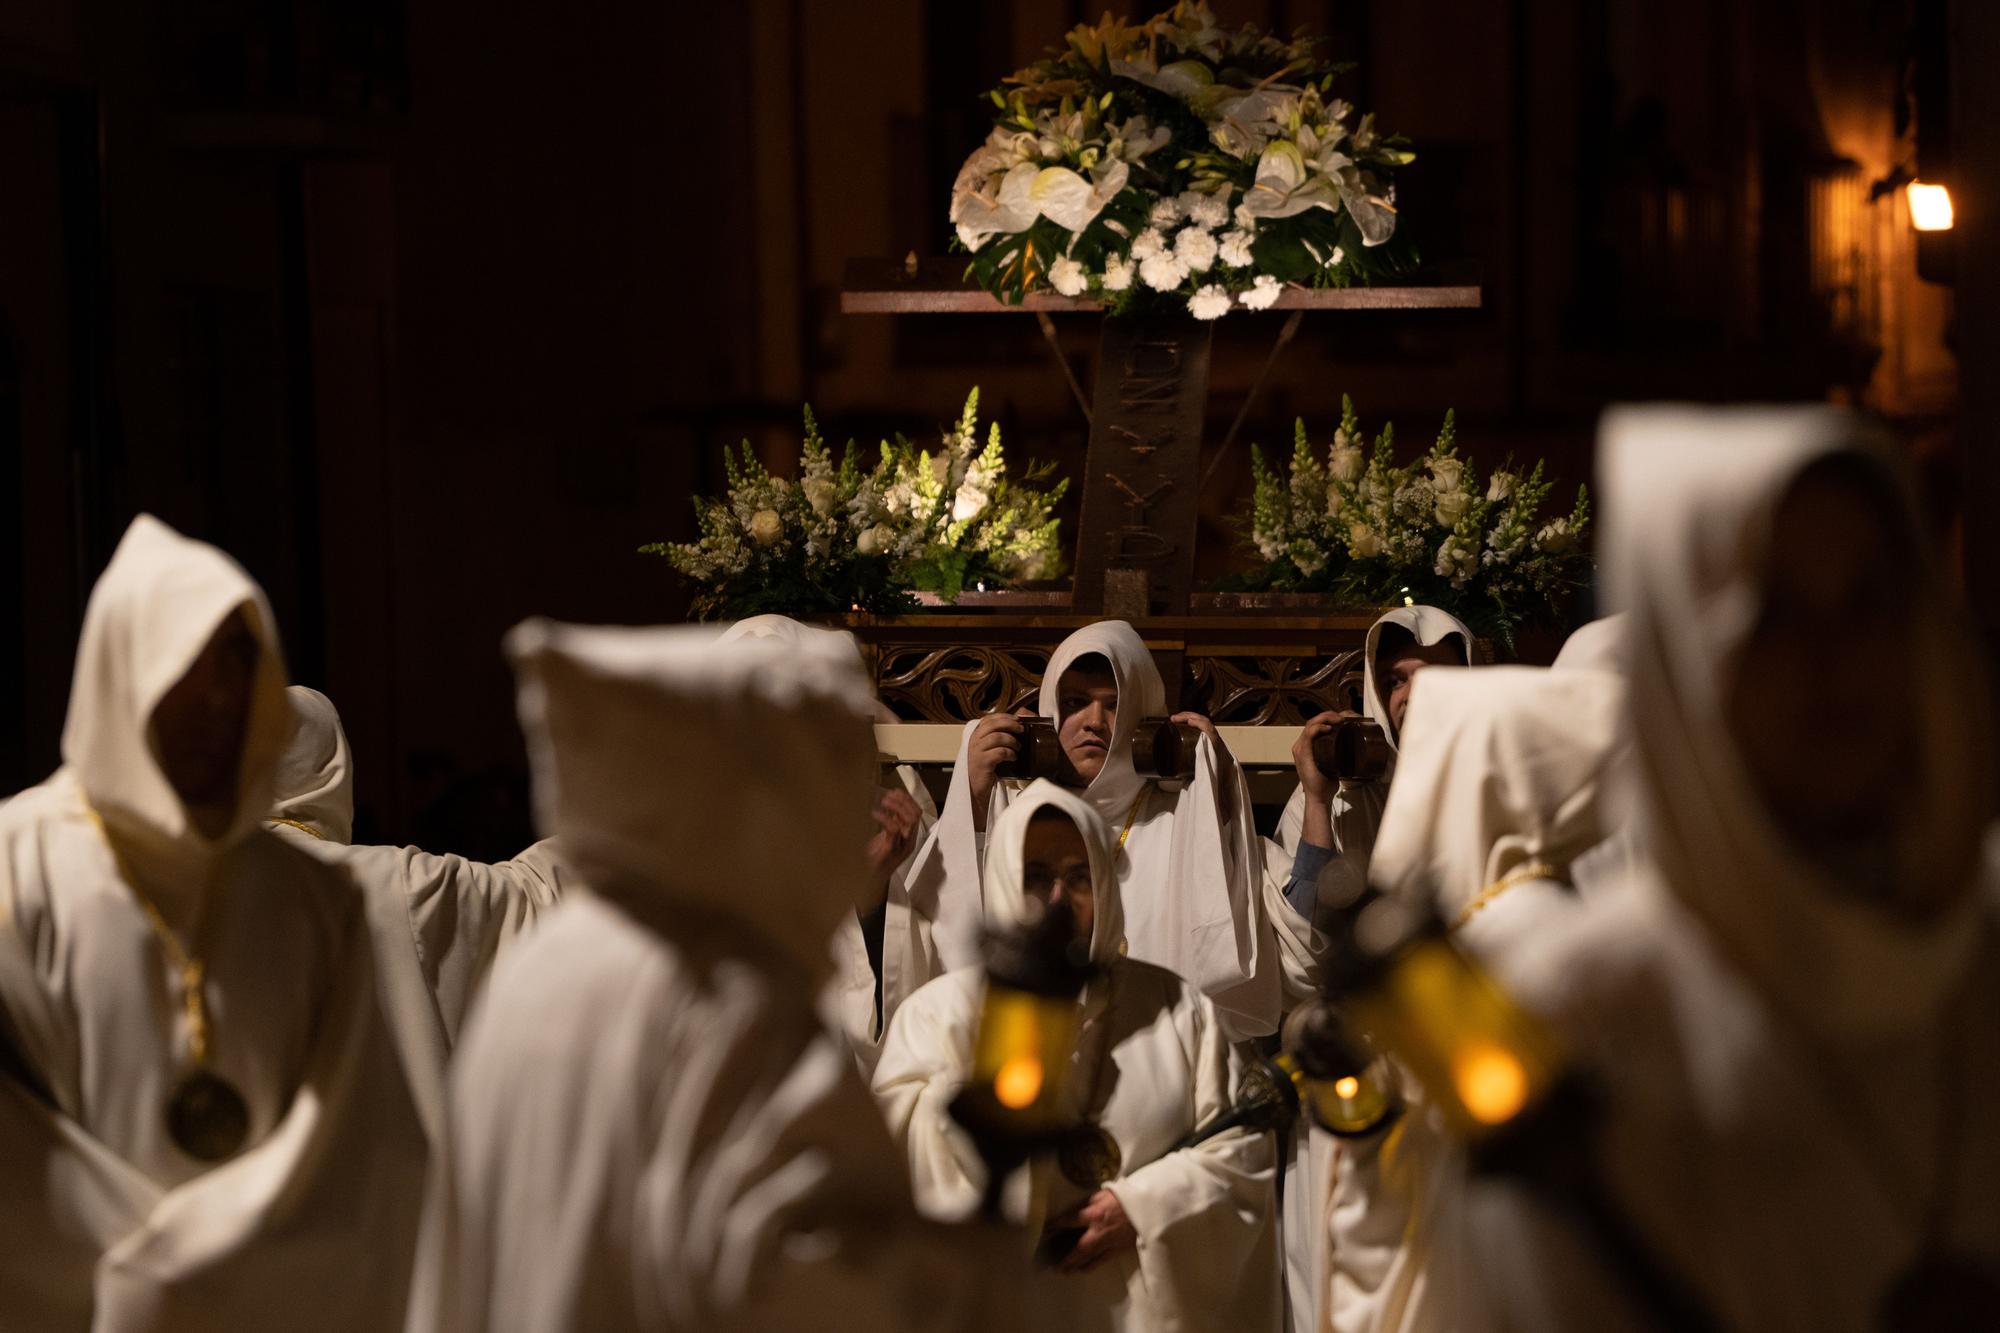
1556	537
1117	274
1447	473
1067	276
1499	487
871	540
820	495
1235	248
1263	293
1364	541
1345	463
766	527
1210	302
1147	244
968	502
1163	272
1451	507
1195	248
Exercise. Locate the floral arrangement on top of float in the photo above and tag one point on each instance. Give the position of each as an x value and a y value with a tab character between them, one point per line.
1179	162
1366	531
841	539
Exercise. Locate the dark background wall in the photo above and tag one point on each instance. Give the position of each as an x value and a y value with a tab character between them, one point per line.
432	312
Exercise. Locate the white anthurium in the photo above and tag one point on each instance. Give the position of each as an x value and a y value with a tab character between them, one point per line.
997	209
1285	186
1073	202
1374	216
1136	138
1243	122
1181	79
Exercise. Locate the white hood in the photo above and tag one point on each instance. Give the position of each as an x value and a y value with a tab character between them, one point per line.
1141	694
1500	768
315	779
155	608
1006	893
1429	626
1597	646
1690	496
691	778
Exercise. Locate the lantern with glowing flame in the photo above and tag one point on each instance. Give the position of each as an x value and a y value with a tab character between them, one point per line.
1347	1088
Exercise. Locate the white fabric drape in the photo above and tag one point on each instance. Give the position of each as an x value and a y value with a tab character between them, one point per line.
1193	881
650	1128
1151	1065
109	1226
1499	788
1781	1057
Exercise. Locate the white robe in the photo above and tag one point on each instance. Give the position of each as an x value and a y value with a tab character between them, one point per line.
109	1225
650	1128
1356	812
1151	1065
1499	790
1198	898
1779	1055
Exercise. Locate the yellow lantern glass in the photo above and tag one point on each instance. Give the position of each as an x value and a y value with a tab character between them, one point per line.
1479	1056
1352	1104
1021	1056
1930	207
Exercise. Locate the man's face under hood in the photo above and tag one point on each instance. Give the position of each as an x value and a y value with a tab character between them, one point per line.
199	725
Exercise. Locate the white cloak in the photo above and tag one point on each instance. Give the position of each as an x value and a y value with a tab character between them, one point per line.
109	1226
1151	1065
1198	896
650	1128
1783	1060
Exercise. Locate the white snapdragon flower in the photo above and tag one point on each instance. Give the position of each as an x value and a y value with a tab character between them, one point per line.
1335	502
1210	302
1117	273
766	527
1500	486
898	498
1165	214
1262	294
1148	243
1068	277
1235	247
1344	464
1195	248
1364	541
1163	272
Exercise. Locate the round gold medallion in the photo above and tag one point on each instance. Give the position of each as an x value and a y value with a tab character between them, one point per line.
1089	1157
207	1118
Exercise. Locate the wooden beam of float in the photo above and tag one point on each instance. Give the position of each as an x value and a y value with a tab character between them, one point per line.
1142	477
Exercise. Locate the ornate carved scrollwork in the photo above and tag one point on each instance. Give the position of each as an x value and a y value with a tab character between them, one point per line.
1273	691
925	683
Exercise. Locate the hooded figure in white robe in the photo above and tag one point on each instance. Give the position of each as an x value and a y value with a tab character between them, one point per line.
459	913
1793	1032
650	1126
1189	860
109	1224
862	993
1355	813
1151	1065
1501	788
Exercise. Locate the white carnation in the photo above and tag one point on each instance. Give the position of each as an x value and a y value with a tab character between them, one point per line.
1117	274
1263	293
1163	272
1210	302
1148	243
1203	210
1067	276
1345	463
1235	247
1165	213
1195	248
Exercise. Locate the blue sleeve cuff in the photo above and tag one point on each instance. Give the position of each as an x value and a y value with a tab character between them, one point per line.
1302	890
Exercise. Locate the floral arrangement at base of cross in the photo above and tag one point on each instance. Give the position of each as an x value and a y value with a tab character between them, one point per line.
1180	163
1365	531
841	539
